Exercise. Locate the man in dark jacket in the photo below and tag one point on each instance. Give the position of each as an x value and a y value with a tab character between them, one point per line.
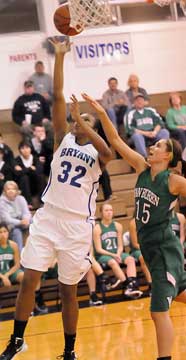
31	109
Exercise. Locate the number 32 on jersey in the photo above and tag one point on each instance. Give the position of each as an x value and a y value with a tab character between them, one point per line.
65	176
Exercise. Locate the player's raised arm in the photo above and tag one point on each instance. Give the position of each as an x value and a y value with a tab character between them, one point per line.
104	152
59	105
131	156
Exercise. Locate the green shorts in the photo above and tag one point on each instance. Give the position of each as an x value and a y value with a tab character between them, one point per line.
164	257
106	258
13	277
136	253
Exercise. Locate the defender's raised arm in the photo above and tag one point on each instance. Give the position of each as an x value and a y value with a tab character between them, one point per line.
131	156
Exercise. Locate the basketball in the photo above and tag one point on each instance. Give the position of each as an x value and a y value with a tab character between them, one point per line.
62	21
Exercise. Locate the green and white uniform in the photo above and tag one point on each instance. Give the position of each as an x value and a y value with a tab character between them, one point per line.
175	224
7	262
160	247
109	242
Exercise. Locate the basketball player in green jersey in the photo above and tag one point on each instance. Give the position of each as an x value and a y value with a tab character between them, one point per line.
10	272
156	192
109	250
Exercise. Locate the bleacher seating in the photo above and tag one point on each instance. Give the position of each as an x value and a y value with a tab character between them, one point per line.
123	180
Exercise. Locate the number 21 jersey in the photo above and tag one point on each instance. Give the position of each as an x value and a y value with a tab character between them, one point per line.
74	178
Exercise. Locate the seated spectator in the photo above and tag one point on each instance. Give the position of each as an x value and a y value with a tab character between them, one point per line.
29	173
8	153
31	109
136	252
134	89
42	82
42	147
176	119
114	102
14	212
144	125
10	272
6	172
109	249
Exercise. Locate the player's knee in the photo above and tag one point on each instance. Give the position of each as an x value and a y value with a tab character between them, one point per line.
30	280
68	292
112	263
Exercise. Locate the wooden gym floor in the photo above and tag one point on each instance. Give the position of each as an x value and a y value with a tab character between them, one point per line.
110	332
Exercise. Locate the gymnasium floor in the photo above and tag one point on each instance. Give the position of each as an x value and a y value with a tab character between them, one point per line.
110	332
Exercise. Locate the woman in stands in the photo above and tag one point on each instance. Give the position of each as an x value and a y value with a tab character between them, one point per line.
176	119
14	212
156	192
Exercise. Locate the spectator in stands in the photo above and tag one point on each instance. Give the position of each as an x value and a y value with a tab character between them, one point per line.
42	147
8	153
6	172
109	249
176	119
136	252
14	212
42	82
10	272
114	102
134	89
144	125
29	173
31	109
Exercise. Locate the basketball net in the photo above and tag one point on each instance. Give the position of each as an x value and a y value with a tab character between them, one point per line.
85	13
168	2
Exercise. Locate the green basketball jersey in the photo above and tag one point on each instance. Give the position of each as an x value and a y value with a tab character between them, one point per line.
109	238
153	202
175	224
6	258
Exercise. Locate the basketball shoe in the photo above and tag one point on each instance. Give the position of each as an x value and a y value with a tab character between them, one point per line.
15	345
94	300
67	356
132	289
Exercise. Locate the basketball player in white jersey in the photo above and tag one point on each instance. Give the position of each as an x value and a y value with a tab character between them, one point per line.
63	227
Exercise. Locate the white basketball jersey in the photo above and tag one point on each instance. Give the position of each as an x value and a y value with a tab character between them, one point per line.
74	178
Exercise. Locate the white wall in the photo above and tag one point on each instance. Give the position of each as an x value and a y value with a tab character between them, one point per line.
159	58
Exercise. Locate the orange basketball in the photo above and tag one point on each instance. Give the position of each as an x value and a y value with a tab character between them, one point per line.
62	21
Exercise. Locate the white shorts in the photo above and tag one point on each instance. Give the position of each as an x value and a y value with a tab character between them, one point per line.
52	236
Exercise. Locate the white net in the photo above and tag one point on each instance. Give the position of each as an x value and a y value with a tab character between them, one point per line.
163	2
168	2
89	13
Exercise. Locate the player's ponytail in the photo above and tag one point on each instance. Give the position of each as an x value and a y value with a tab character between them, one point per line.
175	149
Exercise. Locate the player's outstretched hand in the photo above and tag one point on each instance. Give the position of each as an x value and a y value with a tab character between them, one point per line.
74	107
93	103
60	47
